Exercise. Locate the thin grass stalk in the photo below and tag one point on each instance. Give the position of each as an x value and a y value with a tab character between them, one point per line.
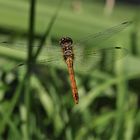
48	30
31	33
120	102
29	67
27	105
120	112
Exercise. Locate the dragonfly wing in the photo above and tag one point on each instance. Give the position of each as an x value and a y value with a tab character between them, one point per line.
83	60
52	56
100	37
91	58
49	55
9	43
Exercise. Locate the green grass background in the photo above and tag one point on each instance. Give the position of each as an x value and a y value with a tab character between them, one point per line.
39	106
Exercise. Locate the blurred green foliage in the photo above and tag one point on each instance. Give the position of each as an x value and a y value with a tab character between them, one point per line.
39	105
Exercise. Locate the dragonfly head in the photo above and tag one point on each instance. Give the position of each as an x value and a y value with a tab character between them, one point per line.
65	41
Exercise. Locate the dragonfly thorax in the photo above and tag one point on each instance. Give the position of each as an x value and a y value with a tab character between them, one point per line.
65	41
66	44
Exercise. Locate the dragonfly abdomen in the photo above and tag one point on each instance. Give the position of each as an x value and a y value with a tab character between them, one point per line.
69	62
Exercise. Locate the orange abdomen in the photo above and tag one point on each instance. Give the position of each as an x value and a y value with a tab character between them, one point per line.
72	80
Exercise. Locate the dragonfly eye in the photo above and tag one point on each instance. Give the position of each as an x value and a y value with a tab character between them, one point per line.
65	41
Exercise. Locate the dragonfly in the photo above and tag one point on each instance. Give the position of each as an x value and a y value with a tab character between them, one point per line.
75	56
